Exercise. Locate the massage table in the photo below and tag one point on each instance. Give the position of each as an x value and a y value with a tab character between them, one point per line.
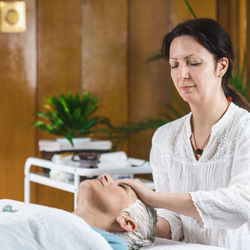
33	227
164	244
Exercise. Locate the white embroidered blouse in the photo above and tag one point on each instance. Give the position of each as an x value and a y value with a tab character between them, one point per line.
219	182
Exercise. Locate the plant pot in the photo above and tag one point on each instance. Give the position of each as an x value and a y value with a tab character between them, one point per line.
76	141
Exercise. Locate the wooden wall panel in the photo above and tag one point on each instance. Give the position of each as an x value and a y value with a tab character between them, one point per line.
205	8
223	14
227	16
59	68
233	21
104	55
242	33
17	95
232	15
148	82
248	38
59	47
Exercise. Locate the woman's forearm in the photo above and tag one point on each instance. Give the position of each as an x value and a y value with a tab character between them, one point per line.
178	203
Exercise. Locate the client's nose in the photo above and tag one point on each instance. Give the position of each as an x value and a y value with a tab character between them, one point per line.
107	178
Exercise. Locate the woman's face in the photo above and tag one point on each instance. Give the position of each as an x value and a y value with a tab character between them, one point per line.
106	195
193	70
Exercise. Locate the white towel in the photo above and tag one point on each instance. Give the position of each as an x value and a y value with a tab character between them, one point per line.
114	160
53	145
36	227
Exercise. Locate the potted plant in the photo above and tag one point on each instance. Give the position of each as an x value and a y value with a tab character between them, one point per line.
70	116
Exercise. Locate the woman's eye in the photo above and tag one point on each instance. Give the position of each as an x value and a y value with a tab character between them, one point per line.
123	186
173	66
194	63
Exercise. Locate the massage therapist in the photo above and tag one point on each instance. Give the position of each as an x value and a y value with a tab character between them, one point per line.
201	162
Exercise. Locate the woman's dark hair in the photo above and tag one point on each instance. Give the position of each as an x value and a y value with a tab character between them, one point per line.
214	38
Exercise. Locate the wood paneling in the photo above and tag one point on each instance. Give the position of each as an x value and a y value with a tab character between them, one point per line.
59	67
205	8
17	95
148	82
232	15
104	55
227	16
223	14
59	47
242	33
233	21
248	37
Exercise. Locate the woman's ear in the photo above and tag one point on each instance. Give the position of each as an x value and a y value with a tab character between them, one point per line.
222	66
126	223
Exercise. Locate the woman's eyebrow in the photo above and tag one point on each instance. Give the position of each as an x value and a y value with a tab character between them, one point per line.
189	56
173	58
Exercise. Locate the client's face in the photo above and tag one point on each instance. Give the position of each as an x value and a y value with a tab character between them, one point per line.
106	195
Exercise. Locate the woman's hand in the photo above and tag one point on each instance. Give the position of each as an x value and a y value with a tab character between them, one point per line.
179	203
146	194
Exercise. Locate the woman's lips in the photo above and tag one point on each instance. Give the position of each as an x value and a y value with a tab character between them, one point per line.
186	88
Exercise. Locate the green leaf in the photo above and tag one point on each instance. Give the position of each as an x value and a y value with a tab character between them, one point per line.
38	123
155	58
70	138
87	126
190	8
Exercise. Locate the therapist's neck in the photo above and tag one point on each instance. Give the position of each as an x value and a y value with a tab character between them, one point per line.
206	114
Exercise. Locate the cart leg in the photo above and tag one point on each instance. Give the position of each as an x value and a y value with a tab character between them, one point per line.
26	190
27	167
76	185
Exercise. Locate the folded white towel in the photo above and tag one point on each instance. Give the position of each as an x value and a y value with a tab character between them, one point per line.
53	145
113	156
113	165
114	160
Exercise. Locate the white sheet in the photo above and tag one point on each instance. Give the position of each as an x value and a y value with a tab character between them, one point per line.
34	227
163	244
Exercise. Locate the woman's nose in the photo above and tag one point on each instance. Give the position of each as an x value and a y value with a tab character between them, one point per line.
107	178
183	72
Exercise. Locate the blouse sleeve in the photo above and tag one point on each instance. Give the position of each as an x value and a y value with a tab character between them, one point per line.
161	183
229	207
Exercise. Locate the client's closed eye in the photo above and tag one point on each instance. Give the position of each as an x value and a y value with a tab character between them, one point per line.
124	186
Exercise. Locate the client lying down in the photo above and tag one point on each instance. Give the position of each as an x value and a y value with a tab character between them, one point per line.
105	210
